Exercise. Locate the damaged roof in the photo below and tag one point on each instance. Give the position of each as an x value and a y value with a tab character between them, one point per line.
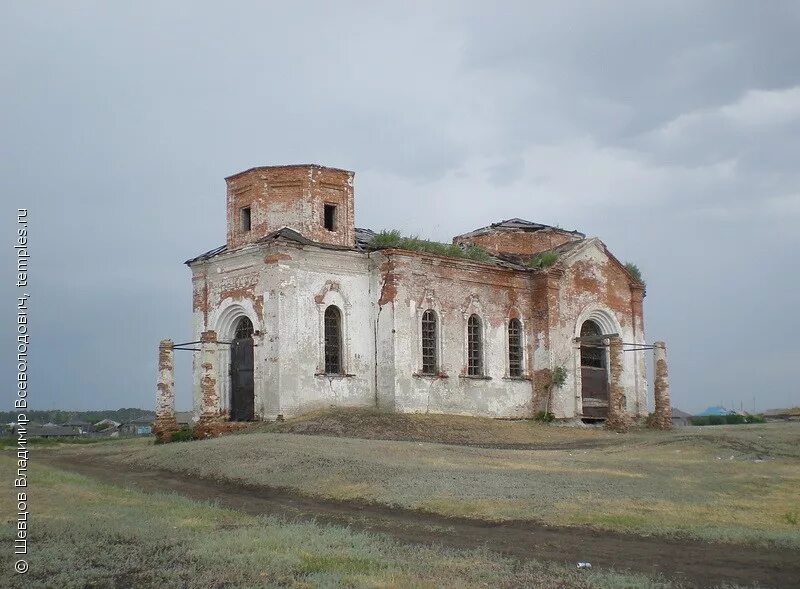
363	237
518	224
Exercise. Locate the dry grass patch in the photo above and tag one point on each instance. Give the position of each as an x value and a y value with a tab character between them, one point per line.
85	534
726	483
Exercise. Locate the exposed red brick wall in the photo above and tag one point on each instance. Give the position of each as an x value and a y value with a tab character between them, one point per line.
500	290
388	280
277	258
517	241
294	197
545	312
587	281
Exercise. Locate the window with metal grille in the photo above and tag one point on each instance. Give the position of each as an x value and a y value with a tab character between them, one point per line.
592	356
333	340
514	348
474	347
244	328
429	351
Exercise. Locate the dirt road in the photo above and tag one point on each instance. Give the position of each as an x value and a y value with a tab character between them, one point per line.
694	563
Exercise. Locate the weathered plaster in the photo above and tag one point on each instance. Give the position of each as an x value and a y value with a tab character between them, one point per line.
284	287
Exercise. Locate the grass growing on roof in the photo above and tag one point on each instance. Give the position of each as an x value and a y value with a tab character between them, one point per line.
395	239
634	271
542	260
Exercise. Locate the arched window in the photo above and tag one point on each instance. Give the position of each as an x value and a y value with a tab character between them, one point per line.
592	352
514	348
244	328
333	340
474	347
430	360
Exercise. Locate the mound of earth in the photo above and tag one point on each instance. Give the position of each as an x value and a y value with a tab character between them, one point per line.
445	429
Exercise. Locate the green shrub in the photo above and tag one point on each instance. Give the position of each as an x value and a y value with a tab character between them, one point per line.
182	435
394	239
558	377
725	419
542	260
634	271
544	416
708	420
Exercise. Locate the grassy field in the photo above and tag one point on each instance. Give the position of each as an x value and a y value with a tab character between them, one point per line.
727	483
86	534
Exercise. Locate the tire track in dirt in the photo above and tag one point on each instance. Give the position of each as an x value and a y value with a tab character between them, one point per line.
694	563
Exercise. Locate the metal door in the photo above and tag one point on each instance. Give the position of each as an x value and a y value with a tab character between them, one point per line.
594	372
242	389
594	390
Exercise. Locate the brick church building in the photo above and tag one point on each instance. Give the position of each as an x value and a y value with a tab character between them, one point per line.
301	310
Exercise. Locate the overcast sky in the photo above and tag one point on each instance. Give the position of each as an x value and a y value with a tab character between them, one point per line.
670	130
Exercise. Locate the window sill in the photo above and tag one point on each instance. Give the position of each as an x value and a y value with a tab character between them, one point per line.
333	376
434	376
523	378
475	377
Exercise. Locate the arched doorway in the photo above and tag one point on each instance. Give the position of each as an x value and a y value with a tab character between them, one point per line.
594	373
241	372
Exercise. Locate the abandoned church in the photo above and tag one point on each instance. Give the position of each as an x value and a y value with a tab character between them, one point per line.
301	310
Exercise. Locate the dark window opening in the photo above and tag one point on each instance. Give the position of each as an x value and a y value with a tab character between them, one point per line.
245	217
514	348
330	217
244	328
429	352
592	356
474	347
333	340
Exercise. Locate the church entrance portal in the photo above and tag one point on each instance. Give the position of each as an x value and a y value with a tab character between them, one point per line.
241	373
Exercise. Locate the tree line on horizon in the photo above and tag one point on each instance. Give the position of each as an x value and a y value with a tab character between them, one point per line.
61	416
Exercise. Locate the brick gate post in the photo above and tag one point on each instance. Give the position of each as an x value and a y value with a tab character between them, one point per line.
165	422
662	419
209	377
